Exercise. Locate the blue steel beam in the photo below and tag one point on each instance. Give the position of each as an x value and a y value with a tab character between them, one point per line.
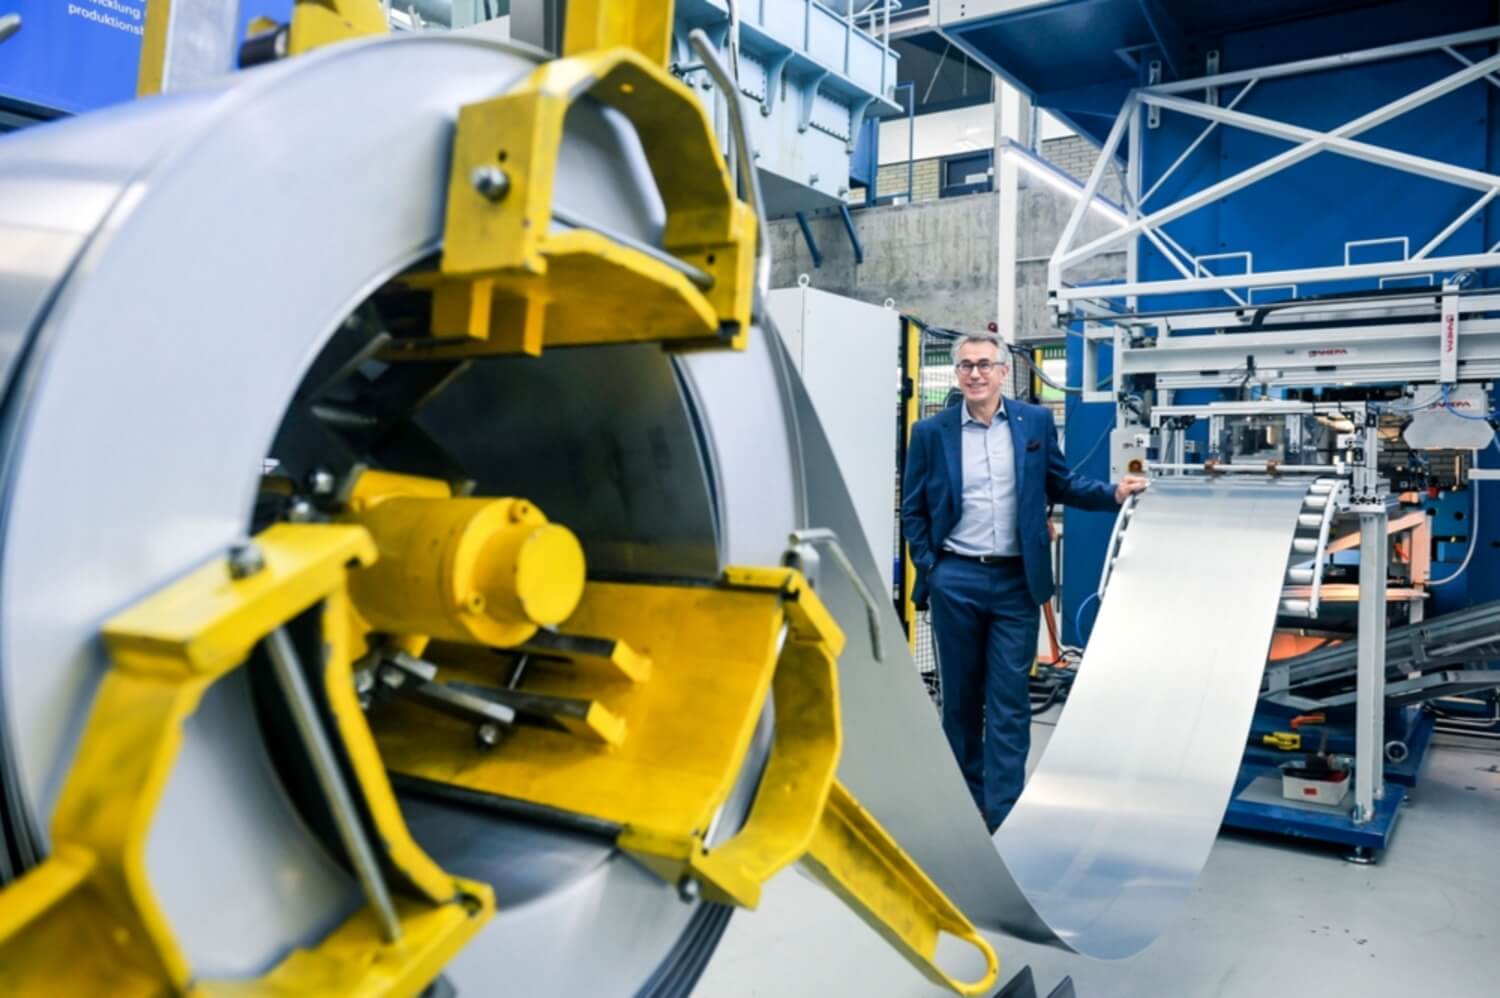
859	249
812	244
1169	37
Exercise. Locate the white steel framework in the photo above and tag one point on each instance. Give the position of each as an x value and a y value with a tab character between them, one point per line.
1240	287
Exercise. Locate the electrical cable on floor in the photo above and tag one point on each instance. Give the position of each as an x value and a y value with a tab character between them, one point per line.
1045	704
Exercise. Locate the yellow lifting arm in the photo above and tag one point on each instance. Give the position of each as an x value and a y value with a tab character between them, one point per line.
316	23
94	891
717	653
644	25
512	281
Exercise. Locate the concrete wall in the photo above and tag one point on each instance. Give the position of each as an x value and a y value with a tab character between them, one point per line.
1043	213
938	257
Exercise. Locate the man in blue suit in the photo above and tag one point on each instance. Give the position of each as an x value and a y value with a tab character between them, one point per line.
978	480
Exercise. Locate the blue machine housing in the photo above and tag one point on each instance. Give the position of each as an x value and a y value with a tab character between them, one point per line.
1079	59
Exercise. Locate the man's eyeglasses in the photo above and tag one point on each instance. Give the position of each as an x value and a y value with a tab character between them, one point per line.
970	366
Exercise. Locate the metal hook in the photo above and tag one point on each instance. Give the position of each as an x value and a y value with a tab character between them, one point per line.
822	536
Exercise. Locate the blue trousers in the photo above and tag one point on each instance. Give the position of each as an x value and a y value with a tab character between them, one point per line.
985	623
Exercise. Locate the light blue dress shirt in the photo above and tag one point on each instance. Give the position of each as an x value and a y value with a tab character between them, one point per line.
987	522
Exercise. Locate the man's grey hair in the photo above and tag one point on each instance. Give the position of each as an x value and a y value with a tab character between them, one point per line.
989	338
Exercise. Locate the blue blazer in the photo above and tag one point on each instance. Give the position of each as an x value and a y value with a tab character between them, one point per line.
932	490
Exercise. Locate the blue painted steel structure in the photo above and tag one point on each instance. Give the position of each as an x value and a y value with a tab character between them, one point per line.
807	237
817	77
1080	58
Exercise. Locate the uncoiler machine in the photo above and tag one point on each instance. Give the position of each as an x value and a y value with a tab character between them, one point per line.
423	569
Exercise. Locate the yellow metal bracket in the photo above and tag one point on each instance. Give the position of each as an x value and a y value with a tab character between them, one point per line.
803	812
87	920
512	280
316	23
644	25
716	654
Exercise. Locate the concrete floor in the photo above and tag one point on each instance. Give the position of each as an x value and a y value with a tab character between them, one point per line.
1267	917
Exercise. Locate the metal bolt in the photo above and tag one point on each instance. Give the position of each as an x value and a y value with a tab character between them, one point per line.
392	677
364	687
689	890
300	511
322	481
491	182
487	735
245	560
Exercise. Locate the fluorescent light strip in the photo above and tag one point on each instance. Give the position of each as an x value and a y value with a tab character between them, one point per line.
1063	185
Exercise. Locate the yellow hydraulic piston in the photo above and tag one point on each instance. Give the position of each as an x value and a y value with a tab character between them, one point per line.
480	571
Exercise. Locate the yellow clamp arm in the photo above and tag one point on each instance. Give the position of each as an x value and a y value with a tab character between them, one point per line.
511	281
802	812
87	921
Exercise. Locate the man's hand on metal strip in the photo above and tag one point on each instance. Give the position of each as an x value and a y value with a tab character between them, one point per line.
1129	486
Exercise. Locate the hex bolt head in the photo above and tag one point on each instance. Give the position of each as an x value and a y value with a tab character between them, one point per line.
689	890
487	735
322	482
491	182
246	560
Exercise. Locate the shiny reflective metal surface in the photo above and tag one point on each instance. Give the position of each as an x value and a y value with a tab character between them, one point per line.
600	438
1117	820
157	346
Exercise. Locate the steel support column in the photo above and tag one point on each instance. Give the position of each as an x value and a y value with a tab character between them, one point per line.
1369	720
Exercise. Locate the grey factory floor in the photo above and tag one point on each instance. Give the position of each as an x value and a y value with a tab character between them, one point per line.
1267	917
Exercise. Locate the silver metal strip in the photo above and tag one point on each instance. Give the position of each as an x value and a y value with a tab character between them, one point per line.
1106	843
1369	711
